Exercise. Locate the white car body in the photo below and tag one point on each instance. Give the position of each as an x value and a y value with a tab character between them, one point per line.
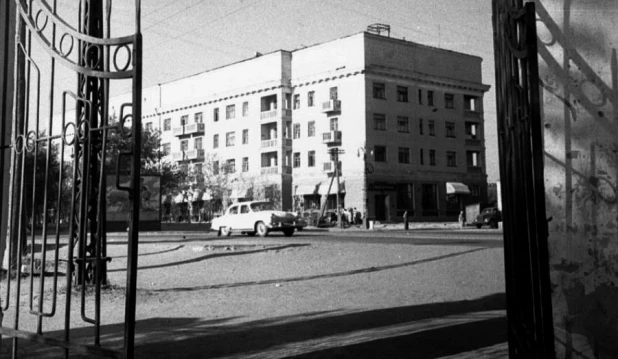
256	217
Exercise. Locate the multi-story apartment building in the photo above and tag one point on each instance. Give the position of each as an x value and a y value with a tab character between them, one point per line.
407	120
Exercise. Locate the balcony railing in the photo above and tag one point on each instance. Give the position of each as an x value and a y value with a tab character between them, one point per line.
475	169
269	170
331	137
329	167
194	155
178	156
473	142
194	128
268	114
269	143
472	114
331	106
178	131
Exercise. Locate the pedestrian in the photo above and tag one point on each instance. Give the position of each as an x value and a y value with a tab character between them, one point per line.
462	219
406	225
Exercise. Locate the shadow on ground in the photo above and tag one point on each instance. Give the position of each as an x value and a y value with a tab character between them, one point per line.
375	334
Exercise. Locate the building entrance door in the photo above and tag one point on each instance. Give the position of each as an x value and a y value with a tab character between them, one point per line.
380	201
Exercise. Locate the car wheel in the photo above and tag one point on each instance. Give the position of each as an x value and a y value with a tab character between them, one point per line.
479	226
288	232
261	229
226	231
251	234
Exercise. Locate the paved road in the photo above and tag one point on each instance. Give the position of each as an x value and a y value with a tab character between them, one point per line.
318	294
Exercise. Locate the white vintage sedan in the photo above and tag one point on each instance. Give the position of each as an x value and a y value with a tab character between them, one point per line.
259	217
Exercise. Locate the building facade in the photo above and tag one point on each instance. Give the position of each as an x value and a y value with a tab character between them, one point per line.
406	121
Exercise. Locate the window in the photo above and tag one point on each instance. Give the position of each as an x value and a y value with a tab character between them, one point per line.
334	124
404	155
475	190
245	137
379	153
245	164
402	94
420	96
470	103
149	126
230	166
431	125
379	90
432	157
166	148
471	130
450	129
449	100
215	141
311	159
422	159
184	145
451	158
403	124
198	117
296	161
430	98
429	199
230	139
420	126
296	130
184	120
310	98
230	112
334	93
296	101
379	122
288	101
167	124
197	143
215	167
215	114
245	109
311	129
473	158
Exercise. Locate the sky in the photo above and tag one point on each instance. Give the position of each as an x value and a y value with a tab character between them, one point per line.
185	37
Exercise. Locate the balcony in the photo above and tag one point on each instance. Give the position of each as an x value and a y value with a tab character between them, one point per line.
329	167
287	142
194	155
268	114
473	142
269	170
331	106
331	138
178	131
287	112
472	114
194	129
269	143
178	156
475	169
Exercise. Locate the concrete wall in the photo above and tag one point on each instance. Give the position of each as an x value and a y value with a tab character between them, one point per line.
577	59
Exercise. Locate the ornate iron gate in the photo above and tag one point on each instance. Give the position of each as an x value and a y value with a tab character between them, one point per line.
530	326
56	205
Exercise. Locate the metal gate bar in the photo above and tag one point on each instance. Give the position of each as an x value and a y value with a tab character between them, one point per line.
89	51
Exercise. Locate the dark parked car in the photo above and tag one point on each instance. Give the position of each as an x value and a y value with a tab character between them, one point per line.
490	216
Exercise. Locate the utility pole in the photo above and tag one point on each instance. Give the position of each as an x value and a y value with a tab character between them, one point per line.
334	154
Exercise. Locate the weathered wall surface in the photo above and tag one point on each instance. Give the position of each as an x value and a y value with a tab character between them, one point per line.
578	70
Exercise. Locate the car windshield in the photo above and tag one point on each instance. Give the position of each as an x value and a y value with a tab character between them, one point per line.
262	206
488	210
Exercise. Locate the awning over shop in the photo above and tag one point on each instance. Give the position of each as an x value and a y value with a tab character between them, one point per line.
206	196
456	188
239	192
307	189
333	190
180	198
197	196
